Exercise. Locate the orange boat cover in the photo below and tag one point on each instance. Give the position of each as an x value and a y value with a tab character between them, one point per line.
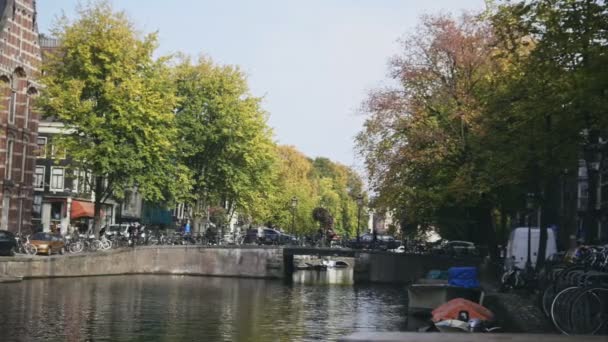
451	309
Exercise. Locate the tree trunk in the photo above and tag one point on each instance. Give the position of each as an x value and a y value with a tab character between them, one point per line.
490	223
98	201
592	161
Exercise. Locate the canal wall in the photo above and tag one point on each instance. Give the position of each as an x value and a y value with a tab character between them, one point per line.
187	260
395	268
251	262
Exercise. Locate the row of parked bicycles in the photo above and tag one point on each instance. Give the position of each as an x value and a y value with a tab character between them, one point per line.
572	288
118	238
574	291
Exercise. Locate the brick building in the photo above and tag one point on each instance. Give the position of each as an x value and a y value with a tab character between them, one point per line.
19	61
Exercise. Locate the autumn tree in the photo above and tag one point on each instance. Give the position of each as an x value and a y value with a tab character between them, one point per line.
421	139
116	102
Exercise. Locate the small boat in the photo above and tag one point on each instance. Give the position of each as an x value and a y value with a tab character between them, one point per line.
463	315
341	264
452	325
335	264
303	267
424	298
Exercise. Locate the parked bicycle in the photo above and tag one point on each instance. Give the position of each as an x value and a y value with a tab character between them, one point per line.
24	246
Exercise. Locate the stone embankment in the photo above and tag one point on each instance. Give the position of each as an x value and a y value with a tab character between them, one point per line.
186	260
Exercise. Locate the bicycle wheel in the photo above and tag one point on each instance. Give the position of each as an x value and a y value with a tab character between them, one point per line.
547	299
95	245
106	244
73	247
588	311
560	309
30	249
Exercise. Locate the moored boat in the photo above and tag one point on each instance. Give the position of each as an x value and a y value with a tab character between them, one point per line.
424	298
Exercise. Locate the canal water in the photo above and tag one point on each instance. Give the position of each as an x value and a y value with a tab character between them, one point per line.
317	306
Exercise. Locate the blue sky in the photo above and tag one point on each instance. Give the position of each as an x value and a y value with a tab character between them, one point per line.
313	61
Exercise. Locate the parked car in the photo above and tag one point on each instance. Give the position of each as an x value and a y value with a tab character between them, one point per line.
460	248
287	239
383	242
270	236
251	236
48	243
387	242
8	244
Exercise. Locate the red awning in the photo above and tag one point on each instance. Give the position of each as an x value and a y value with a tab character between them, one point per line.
82	209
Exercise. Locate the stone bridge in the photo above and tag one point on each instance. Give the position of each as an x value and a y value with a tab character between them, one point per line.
248	261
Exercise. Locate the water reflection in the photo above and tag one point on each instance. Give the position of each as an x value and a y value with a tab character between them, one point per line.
334	276
177	308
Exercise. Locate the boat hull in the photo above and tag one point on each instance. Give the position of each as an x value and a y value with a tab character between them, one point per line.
424	298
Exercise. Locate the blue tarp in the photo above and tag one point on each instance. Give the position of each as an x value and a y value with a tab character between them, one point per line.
463	277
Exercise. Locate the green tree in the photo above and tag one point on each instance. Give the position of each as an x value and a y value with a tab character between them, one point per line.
555	101
224	139
315	183
293	179
116	102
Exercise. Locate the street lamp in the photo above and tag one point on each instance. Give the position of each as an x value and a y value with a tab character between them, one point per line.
593	151
529	207
359	205
294	204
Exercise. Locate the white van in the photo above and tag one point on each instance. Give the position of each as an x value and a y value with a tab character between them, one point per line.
518	245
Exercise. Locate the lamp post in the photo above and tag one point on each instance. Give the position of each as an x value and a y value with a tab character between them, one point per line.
294	205
64	229
359	205
529	207
593	154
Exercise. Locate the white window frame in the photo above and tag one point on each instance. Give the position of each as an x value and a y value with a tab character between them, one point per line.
53	188
46	141
37	204
43	176
84	181
10	147
76	181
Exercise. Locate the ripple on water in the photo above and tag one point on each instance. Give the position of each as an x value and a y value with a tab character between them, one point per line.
171	308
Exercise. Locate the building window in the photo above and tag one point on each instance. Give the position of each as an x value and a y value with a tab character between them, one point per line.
56	211
9	159
37	206
27	110
41	150
57	178
57	153
84	182
39	178
75	181
30	96
24	159
12	106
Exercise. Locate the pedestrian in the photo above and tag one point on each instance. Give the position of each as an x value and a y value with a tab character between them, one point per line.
187	227
131	233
